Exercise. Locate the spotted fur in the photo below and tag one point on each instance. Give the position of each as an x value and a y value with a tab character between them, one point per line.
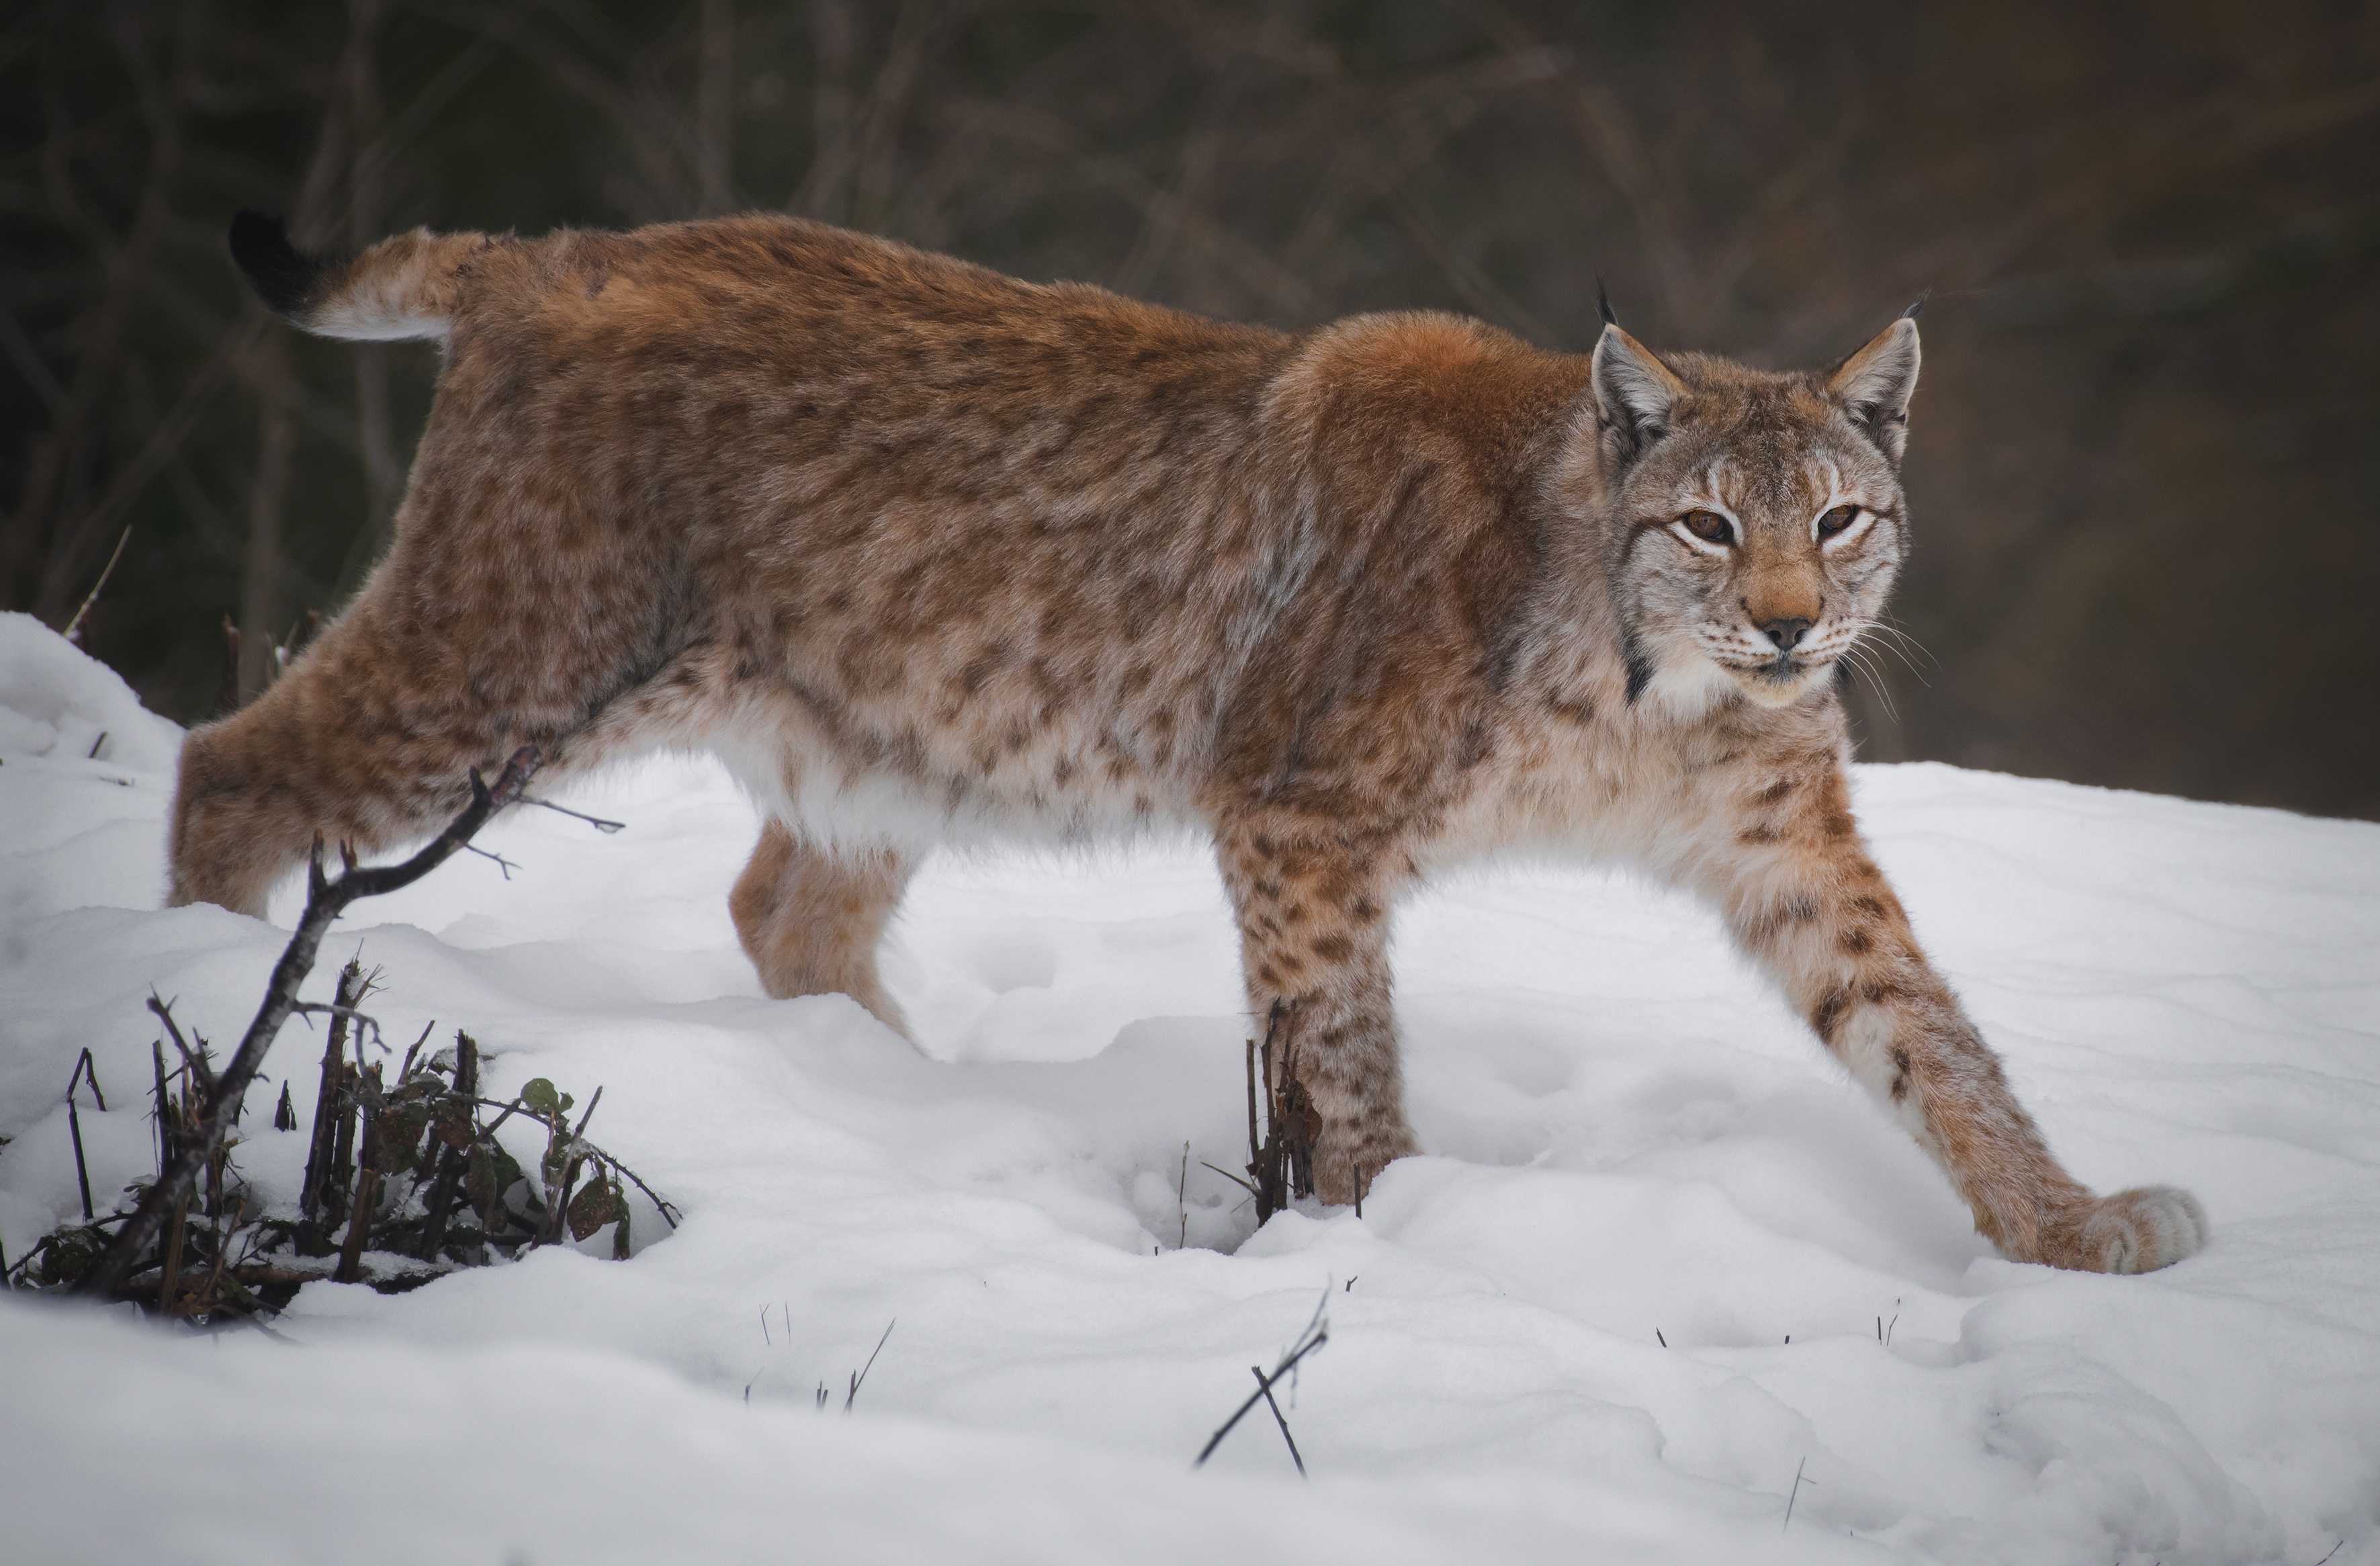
925	554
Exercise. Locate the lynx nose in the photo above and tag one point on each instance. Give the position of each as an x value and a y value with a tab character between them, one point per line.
1787	633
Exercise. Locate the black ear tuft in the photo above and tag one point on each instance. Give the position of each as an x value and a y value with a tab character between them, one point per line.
1603	302
282	275
1912	312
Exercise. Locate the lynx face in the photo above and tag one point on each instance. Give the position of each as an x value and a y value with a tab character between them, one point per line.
1758	520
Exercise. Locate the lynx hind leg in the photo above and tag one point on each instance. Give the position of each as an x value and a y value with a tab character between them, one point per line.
1314	930
811	918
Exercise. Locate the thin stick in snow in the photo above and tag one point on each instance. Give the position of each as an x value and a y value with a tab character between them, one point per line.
1796	1494
1230	1176
327	1107
861	1375
73	632
82	1070
89	1070
1317	1333
1265	1387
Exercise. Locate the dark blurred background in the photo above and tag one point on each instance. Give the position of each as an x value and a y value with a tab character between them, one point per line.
2144	463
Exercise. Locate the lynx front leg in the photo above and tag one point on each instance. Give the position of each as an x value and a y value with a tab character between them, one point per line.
365	740
1802	896
811	920
1312	904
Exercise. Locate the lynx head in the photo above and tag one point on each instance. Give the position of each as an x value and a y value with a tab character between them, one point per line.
1757	519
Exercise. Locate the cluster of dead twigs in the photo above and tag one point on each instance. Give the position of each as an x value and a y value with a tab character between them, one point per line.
1282	1122
406	1177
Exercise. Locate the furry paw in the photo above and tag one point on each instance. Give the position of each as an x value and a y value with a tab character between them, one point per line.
1343	1155
2133	1231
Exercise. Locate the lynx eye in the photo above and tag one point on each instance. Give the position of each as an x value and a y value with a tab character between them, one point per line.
1708	526
1837	521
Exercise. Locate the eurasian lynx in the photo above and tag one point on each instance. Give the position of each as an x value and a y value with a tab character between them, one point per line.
925	553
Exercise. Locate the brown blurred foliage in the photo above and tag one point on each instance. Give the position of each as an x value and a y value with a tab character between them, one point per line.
2143	467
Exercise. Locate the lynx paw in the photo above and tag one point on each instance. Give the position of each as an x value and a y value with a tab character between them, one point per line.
1344	1154
2133	1231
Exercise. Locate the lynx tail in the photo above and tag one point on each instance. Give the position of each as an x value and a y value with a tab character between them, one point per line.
403	287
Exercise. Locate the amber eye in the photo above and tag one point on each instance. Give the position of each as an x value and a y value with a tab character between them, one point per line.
1708	526
1837	519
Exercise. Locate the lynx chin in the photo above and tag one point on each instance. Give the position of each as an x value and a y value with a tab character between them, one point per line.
925	554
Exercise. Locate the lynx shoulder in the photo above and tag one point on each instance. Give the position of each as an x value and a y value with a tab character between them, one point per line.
925	553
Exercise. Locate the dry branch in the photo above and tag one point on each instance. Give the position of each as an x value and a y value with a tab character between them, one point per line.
325	900
1317	1333
1280	1160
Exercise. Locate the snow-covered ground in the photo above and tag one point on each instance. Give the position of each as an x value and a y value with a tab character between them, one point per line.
1629	1136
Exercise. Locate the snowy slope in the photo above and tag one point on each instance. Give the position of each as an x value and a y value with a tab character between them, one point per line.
1630	1136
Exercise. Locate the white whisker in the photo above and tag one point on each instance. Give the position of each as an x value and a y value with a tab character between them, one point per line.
1856	656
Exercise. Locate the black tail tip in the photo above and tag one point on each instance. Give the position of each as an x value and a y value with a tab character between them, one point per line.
282	274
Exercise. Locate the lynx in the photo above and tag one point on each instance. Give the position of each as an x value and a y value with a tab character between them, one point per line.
926	554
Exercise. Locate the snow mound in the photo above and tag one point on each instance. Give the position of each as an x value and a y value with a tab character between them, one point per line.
55	702
1563	1336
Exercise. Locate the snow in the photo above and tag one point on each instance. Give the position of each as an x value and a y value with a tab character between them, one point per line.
1629	1136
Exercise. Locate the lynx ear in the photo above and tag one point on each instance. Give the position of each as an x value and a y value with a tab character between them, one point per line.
1634	395
1874	386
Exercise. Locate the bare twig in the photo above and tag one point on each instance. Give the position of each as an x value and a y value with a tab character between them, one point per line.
1796	1494
406	1070
1317	1333
503	864
194	1061
325	900
598	822
73	1129
368	1182
329	1110
73	632
368	1033
862	1373
1264	1385
451	1158
88	1070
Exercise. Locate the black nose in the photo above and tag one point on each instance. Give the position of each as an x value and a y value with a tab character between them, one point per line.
1786	634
